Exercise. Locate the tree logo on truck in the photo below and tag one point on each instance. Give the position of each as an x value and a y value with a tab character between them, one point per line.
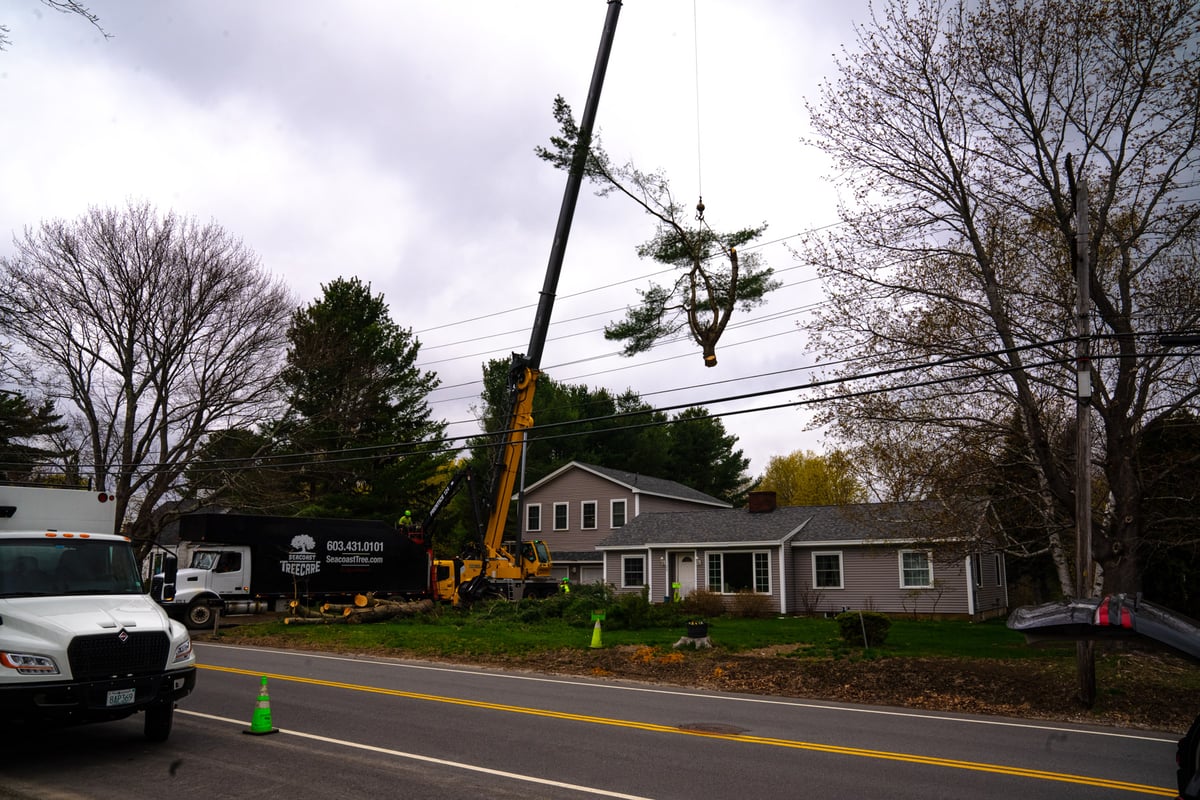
302	561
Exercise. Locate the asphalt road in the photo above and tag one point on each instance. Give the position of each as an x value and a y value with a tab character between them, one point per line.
369	727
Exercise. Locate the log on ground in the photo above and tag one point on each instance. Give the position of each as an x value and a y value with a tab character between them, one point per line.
384	611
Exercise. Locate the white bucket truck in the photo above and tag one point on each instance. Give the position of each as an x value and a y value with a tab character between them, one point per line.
80	639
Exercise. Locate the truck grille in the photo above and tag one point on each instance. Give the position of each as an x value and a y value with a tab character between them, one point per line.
105	655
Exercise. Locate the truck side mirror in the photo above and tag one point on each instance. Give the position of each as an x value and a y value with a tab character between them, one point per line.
170	566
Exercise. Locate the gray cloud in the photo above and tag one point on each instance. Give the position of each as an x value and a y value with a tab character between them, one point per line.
394	141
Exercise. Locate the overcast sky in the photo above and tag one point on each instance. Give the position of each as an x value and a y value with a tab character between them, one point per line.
393	141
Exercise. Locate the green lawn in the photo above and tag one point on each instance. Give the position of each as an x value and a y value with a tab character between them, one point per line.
502	630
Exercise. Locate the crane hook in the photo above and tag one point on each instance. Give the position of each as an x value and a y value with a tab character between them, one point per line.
700	210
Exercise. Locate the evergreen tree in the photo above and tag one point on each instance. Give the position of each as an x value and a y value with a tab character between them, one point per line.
359	436
712	277
1025	513
703	456
22	422
240	468
576	423
573	422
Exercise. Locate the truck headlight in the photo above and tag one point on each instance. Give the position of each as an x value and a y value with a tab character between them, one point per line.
29	663
183	650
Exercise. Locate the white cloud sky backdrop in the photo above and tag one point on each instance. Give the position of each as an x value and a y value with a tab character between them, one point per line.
393	141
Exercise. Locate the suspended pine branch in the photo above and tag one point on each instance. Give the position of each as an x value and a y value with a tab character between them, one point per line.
713	278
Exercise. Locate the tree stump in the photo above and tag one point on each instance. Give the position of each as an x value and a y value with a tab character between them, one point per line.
699	642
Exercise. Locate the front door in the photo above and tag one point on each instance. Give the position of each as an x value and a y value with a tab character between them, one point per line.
685	573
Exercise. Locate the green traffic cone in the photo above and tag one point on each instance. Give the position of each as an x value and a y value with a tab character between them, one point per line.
596	635
260	723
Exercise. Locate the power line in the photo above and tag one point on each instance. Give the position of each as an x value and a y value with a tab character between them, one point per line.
638	279
450	443
558	323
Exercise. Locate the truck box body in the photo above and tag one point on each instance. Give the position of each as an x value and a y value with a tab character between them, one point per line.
52	508
239	559
80	640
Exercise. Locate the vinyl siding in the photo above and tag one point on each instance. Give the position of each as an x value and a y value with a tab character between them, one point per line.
658	561
575	488
991	596
871	581
869	540
578	486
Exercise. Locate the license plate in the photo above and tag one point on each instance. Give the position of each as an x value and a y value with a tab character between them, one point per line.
121	697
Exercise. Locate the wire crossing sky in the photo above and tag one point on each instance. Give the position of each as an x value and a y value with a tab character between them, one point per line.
394	142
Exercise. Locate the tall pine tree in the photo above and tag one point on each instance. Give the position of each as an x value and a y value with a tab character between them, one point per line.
21	424
359	430
577	423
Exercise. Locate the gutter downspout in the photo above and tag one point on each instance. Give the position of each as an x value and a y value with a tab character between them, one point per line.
971	587
650	573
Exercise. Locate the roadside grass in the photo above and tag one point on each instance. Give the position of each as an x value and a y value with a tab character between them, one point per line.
501	629
1136	681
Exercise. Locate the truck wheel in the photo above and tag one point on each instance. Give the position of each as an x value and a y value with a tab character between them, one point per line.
199	614
159	717
1188	756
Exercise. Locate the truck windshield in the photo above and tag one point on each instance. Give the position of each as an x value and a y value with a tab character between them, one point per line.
204	559
39	567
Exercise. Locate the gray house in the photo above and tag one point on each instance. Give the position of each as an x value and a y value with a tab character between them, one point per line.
919	558
573	508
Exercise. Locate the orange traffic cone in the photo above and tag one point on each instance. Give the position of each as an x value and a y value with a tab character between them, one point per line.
260	723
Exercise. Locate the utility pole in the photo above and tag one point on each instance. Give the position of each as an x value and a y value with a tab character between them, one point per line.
1085	656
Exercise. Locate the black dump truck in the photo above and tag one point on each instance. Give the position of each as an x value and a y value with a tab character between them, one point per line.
245	564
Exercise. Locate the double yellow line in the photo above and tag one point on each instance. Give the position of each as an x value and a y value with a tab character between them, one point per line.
883	755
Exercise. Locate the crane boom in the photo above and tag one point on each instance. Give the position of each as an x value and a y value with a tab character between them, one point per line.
566	212
494	561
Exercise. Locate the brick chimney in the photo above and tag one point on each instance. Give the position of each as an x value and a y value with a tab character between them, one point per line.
762	502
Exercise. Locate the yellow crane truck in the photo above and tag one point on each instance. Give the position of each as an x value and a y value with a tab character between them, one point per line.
489	567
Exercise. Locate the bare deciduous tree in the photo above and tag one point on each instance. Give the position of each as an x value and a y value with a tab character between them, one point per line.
155	331
65	7
953	268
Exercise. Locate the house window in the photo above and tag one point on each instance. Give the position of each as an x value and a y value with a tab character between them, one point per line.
587	510
533	517
617	510
560	516
827	570
999	569
977	568
737	572
915	570
633	572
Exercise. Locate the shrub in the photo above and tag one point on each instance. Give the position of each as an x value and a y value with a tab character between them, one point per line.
853	623
584	600
703	603
630	611
665	615
750	605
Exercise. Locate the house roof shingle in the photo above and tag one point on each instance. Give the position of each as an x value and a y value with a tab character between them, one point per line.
637	483
853	524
